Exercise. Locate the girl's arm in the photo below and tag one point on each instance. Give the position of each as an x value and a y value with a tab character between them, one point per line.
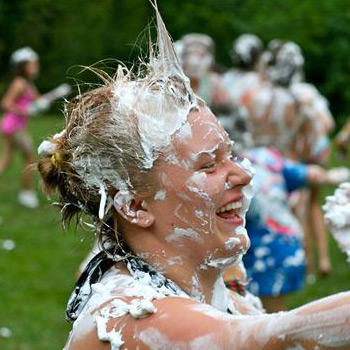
317	175
16	89
184	324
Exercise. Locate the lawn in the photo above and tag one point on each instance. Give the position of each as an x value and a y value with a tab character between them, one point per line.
38	275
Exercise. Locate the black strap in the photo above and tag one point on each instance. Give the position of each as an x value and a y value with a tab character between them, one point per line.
93	273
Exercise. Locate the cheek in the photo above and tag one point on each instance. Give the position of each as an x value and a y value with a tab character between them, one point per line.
209	188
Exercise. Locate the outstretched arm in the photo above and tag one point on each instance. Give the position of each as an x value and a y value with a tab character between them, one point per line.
184	324
317	175
44	101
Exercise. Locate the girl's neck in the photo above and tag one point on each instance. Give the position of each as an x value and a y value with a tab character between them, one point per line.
193	277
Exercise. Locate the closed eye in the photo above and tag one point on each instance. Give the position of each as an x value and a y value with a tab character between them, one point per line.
209	167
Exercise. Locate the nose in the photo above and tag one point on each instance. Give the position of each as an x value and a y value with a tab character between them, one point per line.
238	176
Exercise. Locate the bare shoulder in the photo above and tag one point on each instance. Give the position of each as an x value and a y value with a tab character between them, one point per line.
173	323
17	87
20	83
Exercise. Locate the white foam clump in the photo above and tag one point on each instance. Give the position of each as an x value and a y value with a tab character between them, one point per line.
247	190
180	233
337	216
113	337
198	178
7	244
221	263
123	200
197	292
233	241
141	308
5	332
158	109
160	195
185	132
220	297
114	288
48	148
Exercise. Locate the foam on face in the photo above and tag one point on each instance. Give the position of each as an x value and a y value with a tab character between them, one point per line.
160	195
180	233
236	258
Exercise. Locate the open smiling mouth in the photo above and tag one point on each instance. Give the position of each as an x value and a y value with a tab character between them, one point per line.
230	213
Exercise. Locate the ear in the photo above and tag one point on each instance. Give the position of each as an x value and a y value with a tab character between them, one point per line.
132	209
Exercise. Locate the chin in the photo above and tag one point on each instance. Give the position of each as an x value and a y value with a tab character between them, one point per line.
233	247
235	239
224	262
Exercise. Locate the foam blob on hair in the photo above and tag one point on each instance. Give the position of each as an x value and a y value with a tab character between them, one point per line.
157	102
161	100
115	133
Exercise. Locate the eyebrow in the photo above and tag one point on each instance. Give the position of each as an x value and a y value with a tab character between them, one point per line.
209	153
212	152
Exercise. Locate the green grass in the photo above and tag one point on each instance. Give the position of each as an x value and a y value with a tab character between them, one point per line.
37	277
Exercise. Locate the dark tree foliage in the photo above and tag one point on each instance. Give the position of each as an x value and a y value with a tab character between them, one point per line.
69	34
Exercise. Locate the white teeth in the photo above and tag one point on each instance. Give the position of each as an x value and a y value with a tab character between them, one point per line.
231	206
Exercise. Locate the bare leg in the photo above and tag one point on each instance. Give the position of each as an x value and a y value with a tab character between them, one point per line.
320	232
27	197
7	154
302	210
27	174
274	304
24	143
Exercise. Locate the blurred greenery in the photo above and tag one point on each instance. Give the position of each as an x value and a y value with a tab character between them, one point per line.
37	276
68	33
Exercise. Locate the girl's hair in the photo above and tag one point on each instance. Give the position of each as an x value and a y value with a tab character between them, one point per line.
115	136
283	62
20	69
246	51
21	57
98	146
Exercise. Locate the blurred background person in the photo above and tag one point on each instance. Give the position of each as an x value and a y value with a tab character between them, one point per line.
294	118
21	101
20	95
244	76
342	139
315	107
197	56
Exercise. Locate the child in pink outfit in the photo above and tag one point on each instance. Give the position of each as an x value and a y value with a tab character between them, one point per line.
16	103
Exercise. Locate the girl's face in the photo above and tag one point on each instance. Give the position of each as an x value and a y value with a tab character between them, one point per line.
199	207
32	69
